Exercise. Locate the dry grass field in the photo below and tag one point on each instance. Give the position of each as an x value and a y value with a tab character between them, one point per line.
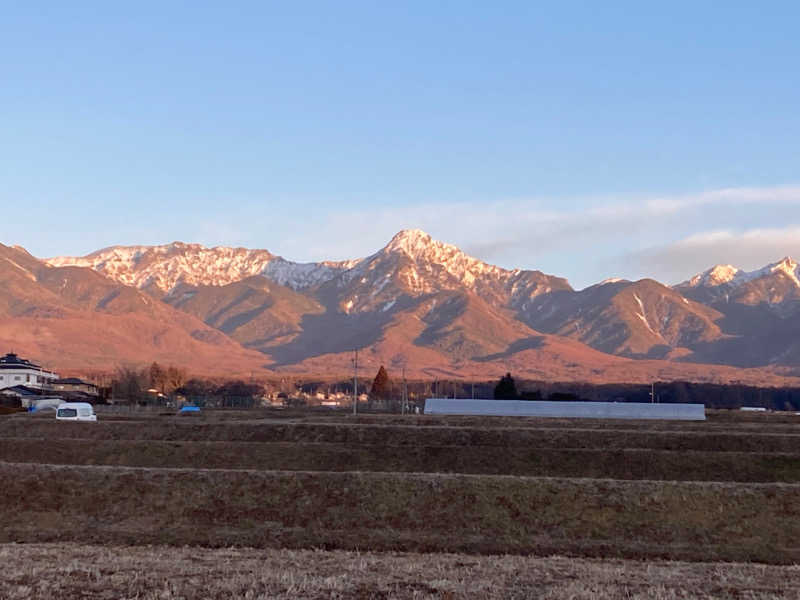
250	494
625	463
727	437
71	571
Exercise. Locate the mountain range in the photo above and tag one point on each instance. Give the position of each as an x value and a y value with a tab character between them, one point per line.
416	304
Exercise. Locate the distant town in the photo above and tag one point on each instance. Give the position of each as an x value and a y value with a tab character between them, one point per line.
27	384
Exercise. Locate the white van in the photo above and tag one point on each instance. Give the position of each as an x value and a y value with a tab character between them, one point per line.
75	411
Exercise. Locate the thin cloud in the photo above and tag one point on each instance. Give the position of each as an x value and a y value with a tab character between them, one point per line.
748	250
586	240
519	231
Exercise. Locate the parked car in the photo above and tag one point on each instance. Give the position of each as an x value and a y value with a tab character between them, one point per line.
75	411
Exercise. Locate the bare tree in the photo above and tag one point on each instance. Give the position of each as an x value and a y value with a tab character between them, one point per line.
158	377
175	378
129	383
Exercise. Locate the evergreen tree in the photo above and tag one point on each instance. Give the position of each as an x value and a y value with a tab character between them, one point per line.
505	389
381	388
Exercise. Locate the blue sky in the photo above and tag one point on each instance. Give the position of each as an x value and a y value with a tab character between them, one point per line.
589	140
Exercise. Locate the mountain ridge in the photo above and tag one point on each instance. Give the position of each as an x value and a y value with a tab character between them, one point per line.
420	300
728	274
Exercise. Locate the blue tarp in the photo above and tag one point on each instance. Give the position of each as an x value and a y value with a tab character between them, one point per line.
186	409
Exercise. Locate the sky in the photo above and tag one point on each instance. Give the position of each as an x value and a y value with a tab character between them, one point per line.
585	139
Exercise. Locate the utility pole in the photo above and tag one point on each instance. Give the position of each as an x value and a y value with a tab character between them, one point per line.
652	393
473	390
355	382
404	401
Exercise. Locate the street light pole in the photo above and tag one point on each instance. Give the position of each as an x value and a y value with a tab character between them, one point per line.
355	382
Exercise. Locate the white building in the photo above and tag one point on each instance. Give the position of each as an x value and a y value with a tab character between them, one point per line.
18	371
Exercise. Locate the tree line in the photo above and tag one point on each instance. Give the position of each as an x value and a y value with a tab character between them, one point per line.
135	384
712	395
157	384
385	393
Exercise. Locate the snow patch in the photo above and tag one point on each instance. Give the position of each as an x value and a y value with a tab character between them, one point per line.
384	282
642	315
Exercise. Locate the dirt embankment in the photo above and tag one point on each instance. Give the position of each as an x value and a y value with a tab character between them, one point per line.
627	437
414	512
611	489
490	460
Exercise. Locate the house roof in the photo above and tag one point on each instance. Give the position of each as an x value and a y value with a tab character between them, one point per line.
11	360
22	390
71	381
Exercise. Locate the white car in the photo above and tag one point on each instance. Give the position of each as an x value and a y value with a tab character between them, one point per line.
75	411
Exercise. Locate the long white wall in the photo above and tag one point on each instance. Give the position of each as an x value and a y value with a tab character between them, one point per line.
586	410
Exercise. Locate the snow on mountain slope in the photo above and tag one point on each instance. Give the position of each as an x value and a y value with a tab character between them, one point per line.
299	276
419	299
715	276
166	266
787	266
74	317
414	264
774	285
761	310
727	274
422	249
428	263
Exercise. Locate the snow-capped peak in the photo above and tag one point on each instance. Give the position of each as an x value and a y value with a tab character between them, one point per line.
412	260
414	263
168	265
611	280
728	274
788	267
715	276
413	242
443	258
